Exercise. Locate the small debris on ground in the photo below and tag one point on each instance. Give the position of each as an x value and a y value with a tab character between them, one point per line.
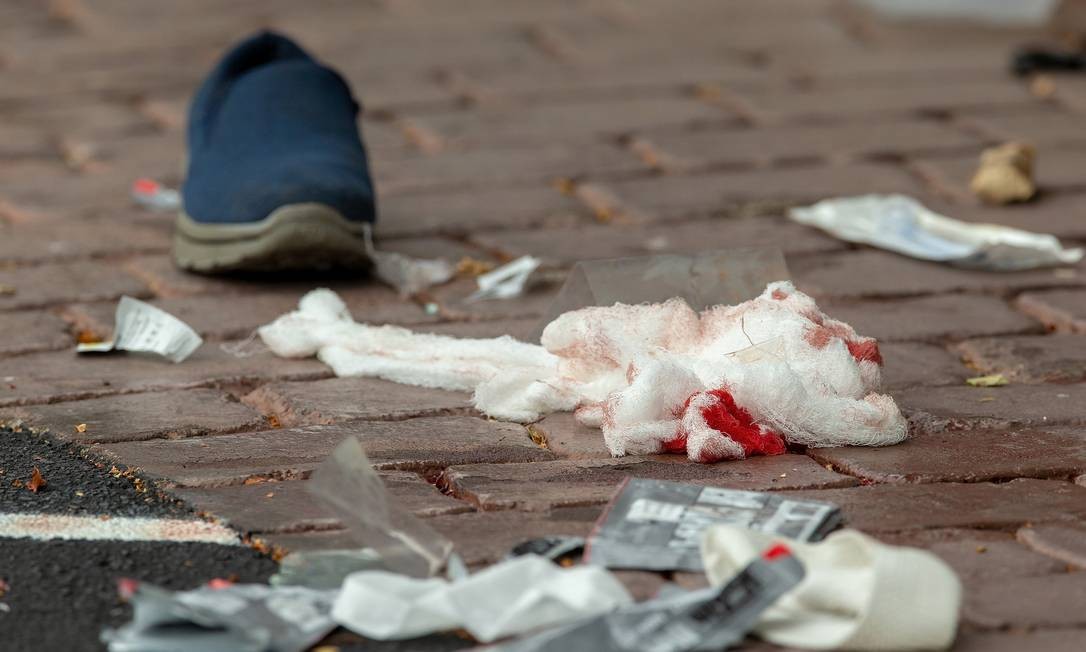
36	482
991	380
469	266
903	225
1005	174
141	327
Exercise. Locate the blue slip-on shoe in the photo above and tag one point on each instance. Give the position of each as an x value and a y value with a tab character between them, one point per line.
277	173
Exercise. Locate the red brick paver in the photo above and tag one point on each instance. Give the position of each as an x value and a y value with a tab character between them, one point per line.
568	130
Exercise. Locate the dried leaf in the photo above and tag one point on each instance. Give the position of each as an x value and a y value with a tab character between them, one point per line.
36	481
539	438
469	266
991	380
81	428
87	336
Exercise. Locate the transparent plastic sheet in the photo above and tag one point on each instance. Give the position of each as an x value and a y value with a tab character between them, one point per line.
658	525
722	277
677	621
903	225
347	483
324	569
509	598
405	274
235	618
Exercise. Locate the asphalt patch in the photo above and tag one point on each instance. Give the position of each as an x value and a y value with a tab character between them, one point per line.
74	484
60	594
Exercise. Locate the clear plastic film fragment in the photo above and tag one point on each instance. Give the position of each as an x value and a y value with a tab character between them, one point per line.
347	483
679	621
722	277
405	274
324	569
234	618
903	225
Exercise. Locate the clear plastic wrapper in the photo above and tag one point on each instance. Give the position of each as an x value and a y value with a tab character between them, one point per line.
324	569
234	618
723	277
405	274
658	525
905	226
679	621
348	485
508	598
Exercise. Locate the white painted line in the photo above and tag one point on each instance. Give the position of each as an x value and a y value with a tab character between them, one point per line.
44	527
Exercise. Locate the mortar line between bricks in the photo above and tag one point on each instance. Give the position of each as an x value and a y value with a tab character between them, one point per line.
213	384
995	479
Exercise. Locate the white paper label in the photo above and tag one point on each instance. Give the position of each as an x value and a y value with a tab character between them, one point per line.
141	327
644	509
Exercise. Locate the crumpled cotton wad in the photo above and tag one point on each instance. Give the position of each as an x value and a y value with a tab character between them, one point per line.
858	594
512	597
729	382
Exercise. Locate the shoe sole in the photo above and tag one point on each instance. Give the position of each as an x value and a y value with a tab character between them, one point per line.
295	236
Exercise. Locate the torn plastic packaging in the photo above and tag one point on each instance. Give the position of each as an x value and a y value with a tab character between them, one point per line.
348	485
658	525
722	277
506	282
677	621
235	618
324	569
405	274
512	597
903	225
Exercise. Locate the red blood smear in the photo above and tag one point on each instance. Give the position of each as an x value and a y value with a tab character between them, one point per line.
677	445
865	350
818	337
776	552
727	417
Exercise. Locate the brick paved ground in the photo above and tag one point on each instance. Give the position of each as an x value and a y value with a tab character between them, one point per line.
567	129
